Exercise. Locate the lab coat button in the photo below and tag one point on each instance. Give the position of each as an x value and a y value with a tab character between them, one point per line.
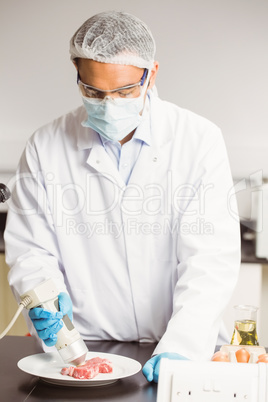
155	159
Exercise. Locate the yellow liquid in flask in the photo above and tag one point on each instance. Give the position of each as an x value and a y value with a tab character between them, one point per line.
245	333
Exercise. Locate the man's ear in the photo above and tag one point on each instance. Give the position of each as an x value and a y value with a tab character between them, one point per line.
153	74
75	63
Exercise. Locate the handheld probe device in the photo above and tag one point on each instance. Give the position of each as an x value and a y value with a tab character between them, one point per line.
70	345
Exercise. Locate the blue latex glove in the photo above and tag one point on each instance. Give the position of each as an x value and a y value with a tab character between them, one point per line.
151	368
48	323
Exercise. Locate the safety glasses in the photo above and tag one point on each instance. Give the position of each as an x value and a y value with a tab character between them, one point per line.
128	91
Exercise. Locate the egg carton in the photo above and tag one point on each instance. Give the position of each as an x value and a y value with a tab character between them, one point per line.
254	351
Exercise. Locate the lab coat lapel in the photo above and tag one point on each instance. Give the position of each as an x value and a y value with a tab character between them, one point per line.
146	163
102	163
152	156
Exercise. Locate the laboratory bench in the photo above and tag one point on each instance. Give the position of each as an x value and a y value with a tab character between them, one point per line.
18	386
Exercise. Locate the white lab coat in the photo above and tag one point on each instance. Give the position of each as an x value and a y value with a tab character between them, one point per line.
156	260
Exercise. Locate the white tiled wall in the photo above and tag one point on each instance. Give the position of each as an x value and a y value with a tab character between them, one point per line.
218	68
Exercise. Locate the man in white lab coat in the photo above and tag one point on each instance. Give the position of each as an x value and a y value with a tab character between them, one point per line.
125	203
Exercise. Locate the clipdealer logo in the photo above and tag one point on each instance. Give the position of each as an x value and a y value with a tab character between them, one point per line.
51	197
132	226
76	208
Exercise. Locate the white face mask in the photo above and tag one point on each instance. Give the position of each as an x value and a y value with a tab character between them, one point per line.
114	118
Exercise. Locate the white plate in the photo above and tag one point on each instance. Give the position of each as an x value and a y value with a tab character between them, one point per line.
48	366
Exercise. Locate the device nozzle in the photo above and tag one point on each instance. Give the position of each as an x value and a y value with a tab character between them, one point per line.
79	360
75	353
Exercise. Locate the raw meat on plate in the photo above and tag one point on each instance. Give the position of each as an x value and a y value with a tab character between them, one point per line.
89	369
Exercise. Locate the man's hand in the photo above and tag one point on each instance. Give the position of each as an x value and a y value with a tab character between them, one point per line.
48	323
151	368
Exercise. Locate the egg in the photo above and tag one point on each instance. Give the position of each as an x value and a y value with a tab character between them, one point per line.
263	358
220	357
242	355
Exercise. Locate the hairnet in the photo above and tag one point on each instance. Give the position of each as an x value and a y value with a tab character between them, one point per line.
114	37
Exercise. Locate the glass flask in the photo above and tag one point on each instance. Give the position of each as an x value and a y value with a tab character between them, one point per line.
245	326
